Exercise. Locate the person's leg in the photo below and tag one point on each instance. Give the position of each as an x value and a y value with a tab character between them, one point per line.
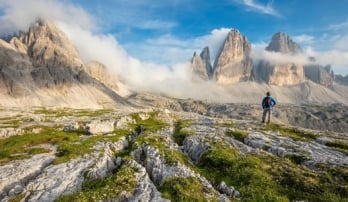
264	113
269	115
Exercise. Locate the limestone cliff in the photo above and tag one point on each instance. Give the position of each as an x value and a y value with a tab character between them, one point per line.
233	63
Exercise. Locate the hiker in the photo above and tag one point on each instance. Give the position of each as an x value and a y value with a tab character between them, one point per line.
267	103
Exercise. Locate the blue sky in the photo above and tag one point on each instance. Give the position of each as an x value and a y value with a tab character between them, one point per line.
320	25
167	32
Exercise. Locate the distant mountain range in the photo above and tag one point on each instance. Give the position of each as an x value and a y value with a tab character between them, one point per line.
234	65
41	67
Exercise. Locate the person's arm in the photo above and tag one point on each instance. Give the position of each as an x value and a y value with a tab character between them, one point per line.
274	101
263	103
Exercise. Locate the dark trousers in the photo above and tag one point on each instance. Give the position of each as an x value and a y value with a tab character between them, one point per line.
265	113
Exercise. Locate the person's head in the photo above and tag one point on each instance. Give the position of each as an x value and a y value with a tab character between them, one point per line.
268	94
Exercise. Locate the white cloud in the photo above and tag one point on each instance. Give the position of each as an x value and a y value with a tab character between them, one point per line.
141	76
339	26
278	58
169	49
19	14
337	59
304	39
157	24
258	7
341	43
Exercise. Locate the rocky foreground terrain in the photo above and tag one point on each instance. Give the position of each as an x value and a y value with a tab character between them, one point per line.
179	150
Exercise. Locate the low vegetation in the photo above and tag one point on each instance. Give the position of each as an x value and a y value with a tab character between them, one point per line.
339	146
149	124
237	134
183	189
258	177
268	178
71	112
294	133
179	133
70	144
108	188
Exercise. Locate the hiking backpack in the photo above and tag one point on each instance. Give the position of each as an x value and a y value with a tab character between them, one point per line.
268	102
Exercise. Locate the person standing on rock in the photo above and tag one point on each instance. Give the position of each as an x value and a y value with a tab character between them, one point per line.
267	103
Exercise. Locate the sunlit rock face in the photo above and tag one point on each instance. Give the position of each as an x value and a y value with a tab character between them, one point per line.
53	56
41	57
201	65
233	63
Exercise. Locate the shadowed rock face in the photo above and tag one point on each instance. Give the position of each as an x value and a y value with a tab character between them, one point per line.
282	43
201	65
320	74
280	74
342	79
233	63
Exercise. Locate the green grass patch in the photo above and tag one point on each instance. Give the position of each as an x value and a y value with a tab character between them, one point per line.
260	177
159	141
68	150
294	133
296	158
151	124
339	146
70	145
13	145
17	198
71	112
237	134
183	189
107	189
179	133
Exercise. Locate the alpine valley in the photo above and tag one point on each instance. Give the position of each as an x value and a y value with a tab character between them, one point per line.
75	131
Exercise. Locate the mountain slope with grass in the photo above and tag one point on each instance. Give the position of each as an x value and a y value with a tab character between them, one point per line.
164	155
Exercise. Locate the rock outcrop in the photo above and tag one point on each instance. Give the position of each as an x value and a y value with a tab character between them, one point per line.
233	63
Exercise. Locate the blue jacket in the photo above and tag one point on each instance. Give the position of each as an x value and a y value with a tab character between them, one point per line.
273	102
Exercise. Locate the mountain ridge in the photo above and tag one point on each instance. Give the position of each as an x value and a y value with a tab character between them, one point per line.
43	65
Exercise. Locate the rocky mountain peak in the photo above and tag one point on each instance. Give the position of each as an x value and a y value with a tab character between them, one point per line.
201	64
43	62
233	63
282	43
48	44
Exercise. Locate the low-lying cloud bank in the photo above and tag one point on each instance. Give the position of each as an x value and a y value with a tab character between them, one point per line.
174	80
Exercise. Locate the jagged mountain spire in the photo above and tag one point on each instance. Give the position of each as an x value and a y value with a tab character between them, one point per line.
233	63
201	64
